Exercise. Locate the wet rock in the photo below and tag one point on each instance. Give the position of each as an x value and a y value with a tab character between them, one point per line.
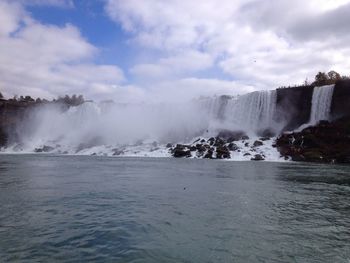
257	157
264	139
193	148
177	153
222	152
201	148
219	142
169	145
202	141
211	141
246	144
246	154
181	151
209	154
117	152
257	143
325	142
196	140
44	149
232	146
245	137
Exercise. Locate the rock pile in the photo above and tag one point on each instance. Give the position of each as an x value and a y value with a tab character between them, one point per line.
220	147
326	142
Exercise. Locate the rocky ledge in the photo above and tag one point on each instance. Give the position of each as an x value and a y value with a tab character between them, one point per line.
327	142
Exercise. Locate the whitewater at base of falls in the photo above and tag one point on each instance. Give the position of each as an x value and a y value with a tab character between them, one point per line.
245	150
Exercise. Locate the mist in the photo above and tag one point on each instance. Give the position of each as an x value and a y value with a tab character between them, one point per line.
110	124
114	124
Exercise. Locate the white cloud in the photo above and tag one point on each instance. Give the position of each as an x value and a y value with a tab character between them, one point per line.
256	42
48	61
192	88
176	65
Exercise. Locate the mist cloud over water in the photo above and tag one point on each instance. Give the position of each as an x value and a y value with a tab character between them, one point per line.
112	124
109	123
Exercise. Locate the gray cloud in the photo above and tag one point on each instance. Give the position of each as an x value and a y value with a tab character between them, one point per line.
331	24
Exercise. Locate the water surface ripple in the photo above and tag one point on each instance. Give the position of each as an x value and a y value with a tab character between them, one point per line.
99	209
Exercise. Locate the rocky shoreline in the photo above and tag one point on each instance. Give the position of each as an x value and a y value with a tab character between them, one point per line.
327	142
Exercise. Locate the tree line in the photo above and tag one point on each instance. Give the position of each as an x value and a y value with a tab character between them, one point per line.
73	100
323	78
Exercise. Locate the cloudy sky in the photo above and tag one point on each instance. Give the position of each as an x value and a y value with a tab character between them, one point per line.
157	49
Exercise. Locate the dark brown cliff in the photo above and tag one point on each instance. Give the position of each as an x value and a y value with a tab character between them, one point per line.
294	106
341	99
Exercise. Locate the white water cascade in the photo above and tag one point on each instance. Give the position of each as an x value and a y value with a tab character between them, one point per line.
251	112
146	129
321	104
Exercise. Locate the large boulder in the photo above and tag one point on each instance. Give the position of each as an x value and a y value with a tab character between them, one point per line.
44	149
257	157
181	151
258	143
209	154
222	152
219	141
232	146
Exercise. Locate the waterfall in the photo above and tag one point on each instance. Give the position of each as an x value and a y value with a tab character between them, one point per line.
252	112
321	103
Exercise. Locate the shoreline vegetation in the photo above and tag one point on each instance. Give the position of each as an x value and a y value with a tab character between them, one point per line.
326	142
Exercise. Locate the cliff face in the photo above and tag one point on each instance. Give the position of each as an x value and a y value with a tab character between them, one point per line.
294	106
11	112
326	142
341	99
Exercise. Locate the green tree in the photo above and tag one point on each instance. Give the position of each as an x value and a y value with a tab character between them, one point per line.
333	75
321	79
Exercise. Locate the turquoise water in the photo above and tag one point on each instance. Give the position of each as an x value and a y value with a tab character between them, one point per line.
99	209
